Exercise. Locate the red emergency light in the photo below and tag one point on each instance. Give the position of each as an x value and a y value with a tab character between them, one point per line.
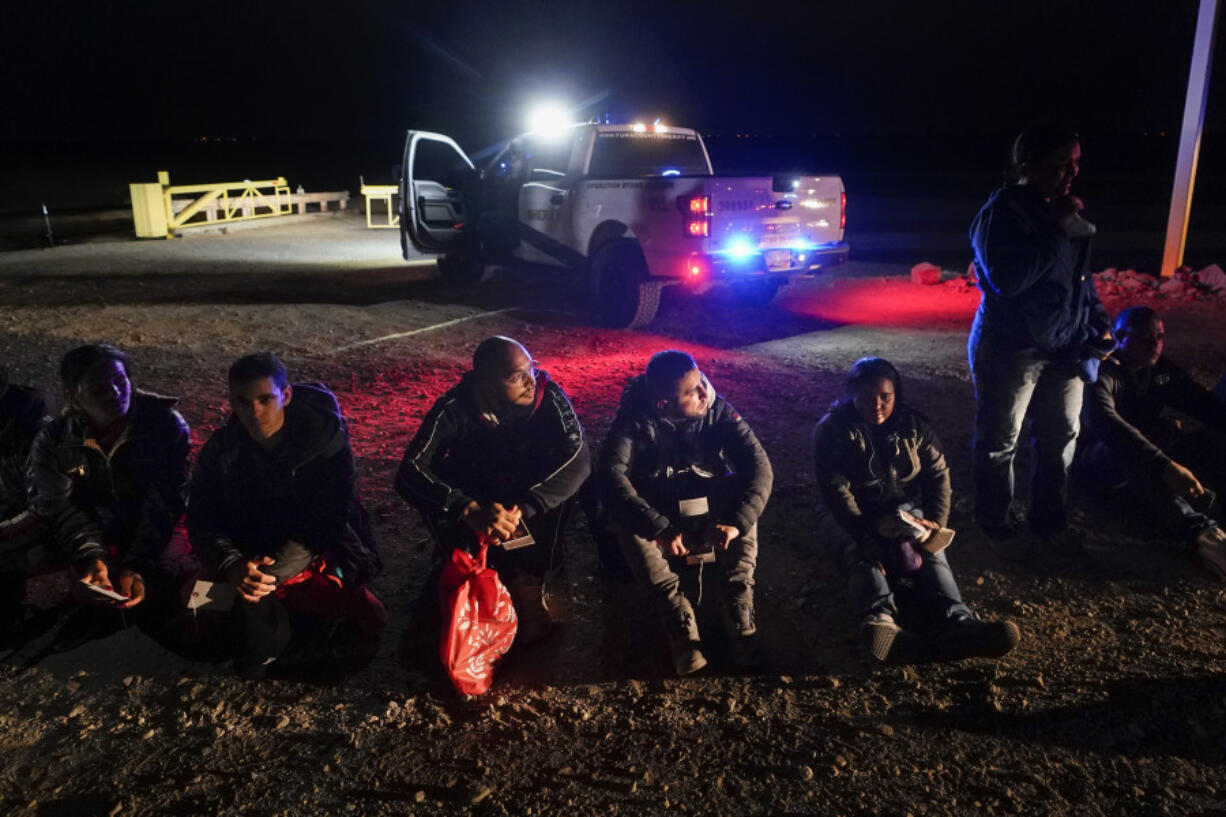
697	211
842	211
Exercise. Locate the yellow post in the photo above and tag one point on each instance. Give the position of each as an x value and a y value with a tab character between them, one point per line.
148	210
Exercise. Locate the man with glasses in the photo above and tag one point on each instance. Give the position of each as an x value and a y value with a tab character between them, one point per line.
496	459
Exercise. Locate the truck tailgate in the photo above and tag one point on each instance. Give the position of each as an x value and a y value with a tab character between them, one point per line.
753	215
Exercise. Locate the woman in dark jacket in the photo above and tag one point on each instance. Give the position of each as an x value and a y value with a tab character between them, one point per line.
110	477
1039	331
874	456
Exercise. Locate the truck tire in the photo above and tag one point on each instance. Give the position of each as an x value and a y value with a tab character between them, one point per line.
756	293
461	268
623	297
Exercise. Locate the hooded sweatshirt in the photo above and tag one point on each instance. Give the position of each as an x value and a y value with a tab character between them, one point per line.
465	452
128	499
248	501
647	457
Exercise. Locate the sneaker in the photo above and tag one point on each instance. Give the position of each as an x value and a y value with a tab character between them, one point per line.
888	642
739	624
683	641
739	618
972	638
1211	547
528	596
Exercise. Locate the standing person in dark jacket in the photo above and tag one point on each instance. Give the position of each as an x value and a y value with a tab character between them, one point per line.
501	448
1040	329
1129	443
874	455
109	478
681	473
23	412
274	509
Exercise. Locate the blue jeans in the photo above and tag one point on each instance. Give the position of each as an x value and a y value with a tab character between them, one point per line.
932	587
1008	384
1145	493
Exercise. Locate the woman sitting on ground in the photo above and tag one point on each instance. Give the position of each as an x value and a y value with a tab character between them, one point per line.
885	498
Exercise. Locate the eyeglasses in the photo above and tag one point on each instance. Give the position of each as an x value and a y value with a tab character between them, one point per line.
524	377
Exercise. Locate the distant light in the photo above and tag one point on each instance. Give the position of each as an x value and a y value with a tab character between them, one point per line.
639	127
549	120
670	171
795	183
659	127
695	269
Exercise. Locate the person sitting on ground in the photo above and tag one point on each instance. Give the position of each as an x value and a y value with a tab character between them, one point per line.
502	451
274	509
109	478
1131	444
681	474
23	411
874	455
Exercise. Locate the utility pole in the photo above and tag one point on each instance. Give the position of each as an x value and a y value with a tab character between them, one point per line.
1189	138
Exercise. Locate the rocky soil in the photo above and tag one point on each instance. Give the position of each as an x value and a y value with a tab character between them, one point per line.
1114	703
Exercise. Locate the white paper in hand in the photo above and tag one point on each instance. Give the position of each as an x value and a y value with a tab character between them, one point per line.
217	597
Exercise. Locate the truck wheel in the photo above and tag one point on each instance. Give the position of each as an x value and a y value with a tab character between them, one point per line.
756	293
461	268
622	295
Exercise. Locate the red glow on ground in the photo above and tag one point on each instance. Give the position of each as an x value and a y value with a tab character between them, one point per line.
888	302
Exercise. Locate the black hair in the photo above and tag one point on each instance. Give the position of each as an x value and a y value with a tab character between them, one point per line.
1132	316
257	366
490	356
78	361
665	369
868	369
1037	142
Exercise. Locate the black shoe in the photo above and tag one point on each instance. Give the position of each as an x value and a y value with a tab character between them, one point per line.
972	638
1066	542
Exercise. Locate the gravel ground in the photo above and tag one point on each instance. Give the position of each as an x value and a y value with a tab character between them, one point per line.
1114	703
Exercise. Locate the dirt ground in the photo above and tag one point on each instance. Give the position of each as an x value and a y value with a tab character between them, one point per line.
1114	702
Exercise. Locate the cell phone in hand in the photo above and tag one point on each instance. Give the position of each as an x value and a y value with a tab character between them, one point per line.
102	591
521	538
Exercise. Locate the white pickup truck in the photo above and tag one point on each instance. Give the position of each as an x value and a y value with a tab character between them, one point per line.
635	207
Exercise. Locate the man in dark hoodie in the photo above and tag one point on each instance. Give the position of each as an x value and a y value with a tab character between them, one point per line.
23	411
274	509
109	478
501	450
682	475
1131	444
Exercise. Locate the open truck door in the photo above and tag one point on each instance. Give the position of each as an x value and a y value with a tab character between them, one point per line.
438	185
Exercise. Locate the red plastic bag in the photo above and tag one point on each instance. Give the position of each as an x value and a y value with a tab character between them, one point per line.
478	620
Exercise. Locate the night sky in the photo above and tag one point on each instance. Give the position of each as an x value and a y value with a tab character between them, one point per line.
357	70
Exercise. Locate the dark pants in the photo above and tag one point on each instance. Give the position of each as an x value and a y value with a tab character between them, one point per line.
931	588
1145	493
1008	385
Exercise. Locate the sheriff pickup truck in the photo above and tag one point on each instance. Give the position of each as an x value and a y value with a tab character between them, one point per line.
632	207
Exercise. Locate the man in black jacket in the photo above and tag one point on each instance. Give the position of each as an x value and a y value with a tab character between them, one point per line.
23	412
502	450
682	475
108	477
1130	443
274	510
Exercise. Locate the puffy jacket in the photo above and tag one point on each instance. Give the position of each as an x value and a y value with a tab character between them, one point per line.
1123	410
860	479
461	455
129	499
23	412
1037	288
645	455
296	500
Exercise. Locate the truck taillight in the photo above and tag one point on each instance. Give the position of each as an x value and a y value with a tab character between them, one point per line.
842	211
697	212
